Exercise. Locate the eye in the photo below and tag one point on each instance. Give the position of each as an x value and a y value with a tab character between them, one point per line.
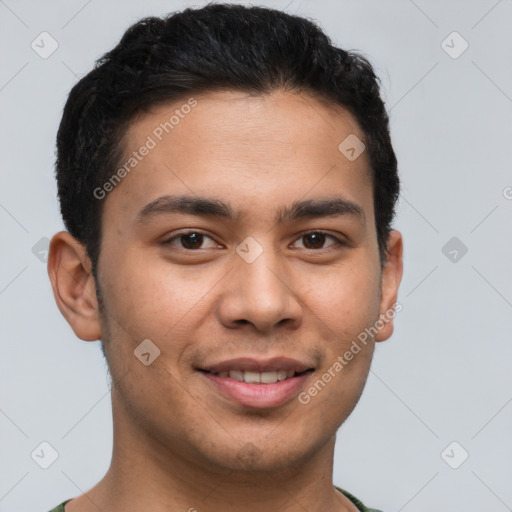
316	240
190	240
193	240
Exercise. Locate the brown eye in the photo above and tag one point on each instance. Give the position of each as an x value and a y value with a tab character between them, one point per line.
192	240
316	240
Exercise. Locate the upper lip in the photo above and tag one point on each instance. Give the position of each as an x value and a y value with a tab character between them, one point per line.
258	365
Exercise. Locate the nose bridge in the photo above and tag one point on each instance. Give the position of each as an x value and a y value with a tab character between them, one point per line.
260	292
261	270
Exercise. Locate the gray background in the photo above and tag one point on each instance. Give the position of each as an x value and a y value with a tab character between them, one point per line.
444	376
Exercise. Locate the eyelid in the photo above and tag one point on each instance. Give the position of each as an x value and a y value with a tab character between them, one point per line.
339	240
169	239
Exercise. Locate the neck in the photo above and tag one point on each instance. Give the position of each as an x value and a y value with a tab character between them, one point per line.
146	474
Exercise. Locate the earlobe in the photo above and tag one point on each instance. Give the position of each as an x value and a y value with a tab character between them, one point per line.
74	289
391	278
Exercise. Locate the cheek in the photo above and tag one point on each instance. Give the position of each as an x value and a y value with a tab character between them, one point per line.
150	298
346	298
346	304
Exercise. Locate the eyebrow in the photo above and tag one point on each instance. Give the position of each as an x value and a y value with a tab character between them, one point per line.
209	207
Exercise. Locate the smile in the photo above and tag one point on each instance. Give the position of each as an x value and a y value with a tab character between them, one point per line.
258	377
257	390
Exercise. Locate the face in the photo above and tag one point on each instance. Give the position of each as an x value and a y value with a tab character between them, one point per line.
207	253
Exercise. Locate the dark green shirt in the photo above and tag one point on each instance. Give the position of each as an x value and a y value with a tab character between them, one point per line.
353	499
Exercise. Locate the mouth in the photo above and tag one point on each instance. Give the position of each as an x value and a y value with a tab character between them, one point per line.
251	377
257	384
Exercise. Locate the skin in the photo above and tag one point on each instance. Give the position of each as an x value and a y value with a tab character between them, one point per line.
178	443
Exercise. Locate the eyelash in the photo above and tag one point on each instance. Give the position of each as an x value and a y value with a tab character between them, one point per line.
339	242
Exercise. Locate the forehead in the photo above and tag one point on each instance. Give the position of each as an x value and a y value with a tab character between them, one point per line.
255	151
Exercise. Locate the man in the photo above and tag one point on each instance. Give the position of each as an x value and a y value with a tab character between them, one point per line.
228	183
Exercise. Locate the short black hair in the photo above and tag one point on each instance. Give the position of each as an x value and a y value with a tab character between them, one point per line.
216	47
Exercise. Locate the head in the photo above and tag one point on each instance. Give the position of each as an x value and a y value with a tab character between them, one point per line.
279	141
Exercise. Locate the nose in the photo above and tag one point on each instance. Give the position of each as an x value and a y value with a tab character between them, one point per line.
261	293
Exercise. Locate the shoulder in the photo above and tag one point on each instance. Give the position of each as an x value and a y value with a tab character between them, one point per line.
351	497
60	508
355	501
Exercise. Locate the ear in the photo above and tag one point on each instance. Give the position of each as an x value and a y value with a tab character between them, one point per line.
69	269
391	277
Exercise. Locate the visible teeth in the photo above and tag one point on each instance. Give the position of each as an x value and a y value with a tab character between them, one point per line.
258	377
282	374
268	377
235	374
252	377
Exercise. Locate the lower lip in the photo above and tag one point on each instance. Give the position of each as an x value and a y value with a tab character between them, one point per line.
258	395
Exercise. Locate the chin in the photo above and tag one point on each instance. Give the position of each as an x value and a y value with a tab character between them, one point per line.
262	454
252	459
